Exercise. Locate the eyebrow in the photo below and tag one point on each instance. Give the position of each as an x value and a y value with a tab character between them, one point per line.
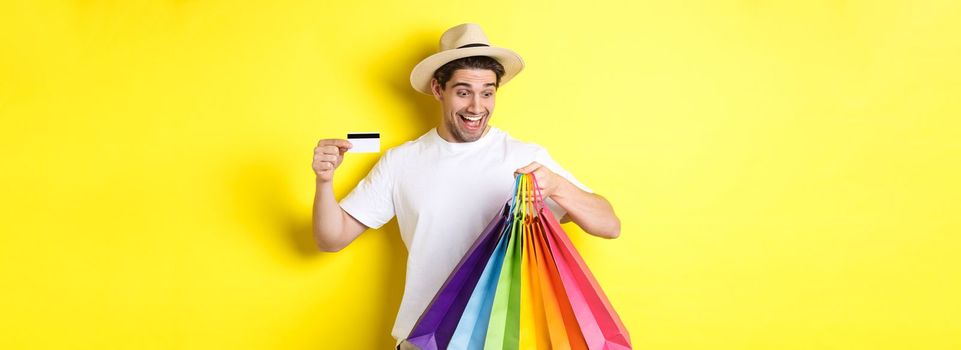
468	85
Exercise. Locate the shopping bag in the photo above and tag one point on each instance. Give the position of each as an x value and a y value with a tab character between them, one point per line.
436	325
599	324
503	329
471	331
522	285
563	328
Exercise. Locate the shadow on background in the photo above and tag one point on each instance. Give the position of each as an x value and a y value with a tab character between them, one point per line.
263	195
259	188
265	188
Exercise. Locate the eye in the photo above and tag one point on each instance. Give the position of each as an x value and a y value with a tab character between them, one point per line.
463	93
488	93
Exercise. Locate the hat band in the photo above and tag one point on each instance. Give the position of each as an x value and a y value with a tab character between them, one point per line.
471	45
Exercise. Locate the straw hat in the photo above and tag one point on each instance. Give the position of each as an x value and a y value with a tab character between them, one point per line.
461	41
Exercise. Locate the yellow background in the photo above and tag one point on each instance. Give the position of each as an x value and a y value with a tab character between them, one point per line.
786	172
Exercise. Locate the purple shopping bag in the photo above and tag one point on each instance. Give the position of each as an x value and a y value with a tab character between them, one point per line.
436	325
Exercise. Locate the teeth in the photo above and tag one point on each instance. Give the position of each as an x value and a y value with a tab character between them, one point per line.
473	119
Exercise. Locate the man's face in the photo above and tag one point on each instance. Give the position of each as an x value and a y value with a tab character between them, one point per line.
466	103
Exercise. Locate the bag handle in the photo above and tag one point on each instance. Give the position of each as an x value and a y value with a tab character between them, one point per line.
527	198
538	197
514	198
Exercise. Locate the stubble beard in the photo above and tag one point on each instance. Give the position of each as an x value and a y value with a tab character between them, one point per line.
459	135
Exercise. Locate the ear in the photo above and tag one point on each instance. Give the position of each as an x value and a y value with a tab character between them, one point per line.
436	89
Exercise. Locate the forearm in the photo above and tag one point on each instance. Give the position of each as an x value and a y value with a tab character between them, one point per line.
328	218
590	211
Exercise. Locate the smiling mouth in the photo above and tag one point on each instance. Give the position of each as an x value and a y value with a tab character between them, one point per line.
471	122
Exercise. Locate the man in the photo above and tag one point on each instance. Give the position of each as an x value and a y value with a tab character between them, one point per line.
445	186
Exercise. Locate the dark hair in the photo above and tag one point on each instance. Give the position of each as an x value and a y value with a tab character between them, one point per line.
444	73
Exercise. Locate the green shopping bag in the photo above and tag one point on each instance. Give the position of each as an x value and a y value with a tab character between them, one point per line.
503	330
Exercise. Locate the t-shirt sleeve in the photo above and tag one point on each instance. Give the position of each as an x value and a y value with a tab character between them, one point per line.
372	202
541	156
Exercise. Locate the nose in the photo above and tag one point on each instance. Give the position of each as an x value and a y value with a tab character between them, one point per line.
475	106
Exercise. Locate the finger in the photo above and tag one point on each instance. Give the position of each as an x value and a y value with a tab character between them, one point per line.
333	150
335	142
326	157
324	166
541	185
541	172
529	168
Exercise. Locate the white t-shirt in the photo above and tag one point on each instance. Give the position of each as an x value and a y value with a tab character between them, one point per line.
443	194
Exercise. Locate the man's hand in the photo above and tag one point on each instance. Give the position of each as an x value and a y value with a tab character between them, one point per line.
334	228
590	211
547	181
328	155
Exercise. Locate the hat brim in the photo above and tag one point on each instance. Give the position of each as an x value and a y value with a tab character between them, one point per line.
423	72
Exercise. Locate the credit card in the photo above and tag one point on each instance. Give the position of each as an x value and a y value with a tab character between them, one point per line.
364	142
